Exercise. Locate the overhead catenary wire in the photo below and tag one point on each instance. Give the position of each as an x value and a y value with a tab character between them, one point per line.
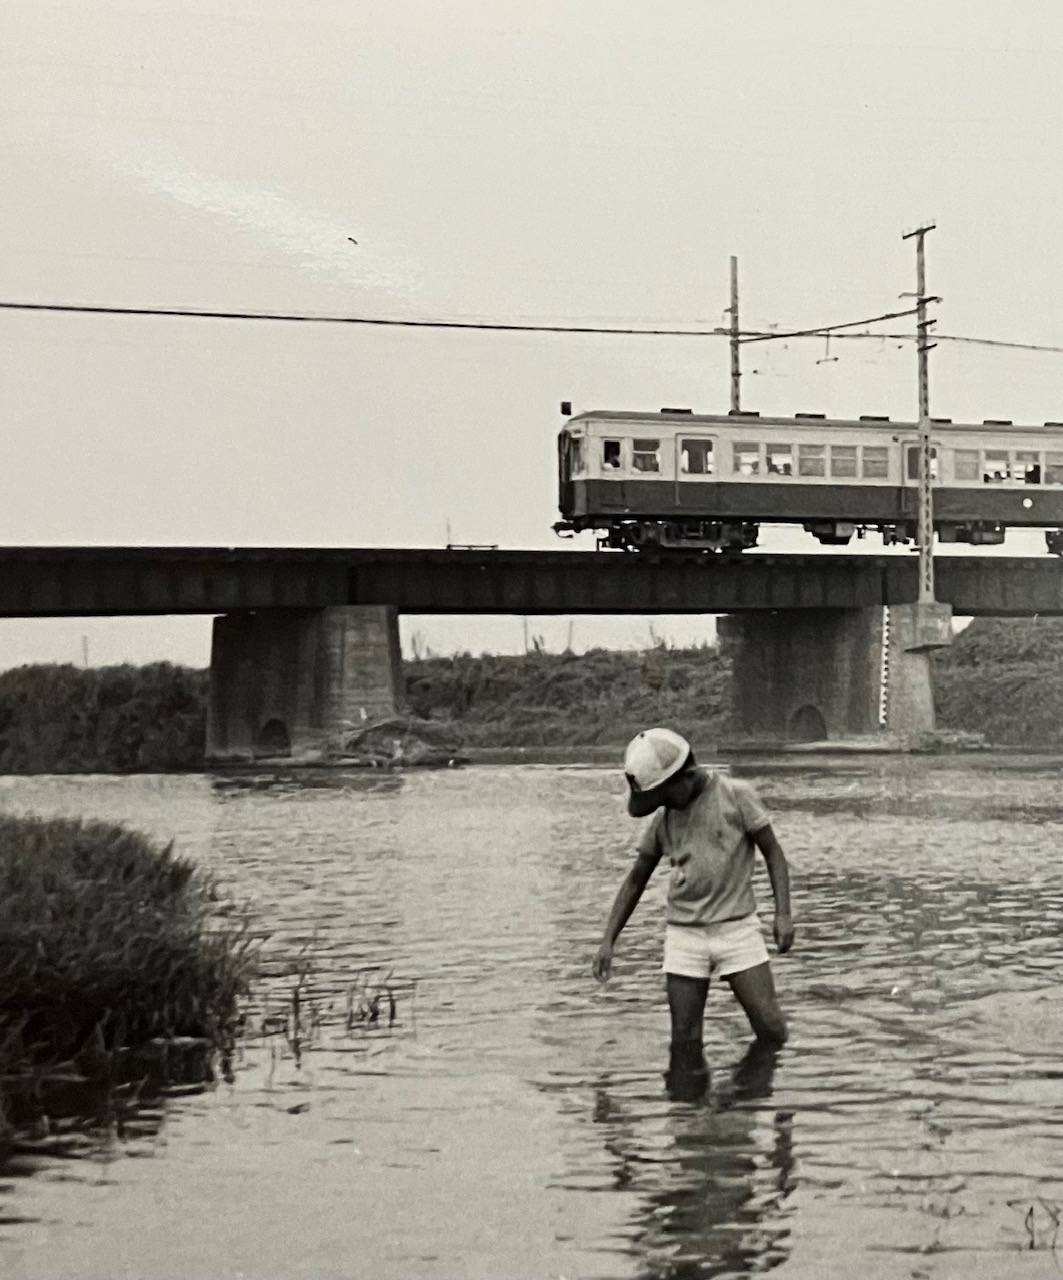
771	334
310	317
325	318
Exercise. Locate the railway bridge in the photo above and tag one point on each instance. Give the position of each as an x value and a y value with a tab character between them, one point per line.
305	640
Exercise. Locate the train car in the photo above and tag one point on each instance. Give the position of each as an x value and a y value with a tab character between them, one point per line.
707	482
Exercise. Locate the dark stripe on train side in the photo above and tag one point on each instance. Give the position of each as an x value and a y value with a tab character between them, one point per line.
863	504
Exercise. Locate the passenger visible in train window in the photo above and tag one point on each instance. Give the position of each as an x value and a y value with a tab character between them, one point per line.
1053	468
747	459
995	470
1028	466
645	455
780	460
611	454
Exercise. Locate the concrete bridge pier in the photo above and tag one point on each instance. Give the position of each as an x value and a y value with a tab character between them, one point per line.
805	675
289	682
911	632
812	675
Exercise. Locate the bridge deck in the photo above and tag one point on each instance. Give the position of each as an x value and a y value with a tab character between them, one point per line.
72	581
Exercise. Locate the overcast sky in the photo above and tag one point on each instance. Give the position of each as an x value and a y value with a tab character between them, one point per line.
557	162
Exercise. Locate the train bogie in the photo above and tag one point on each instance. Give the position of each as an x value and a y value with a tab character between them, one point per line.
692	535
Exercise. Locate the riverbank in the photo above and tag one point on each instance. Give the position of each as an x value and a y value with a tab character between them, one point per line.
1001	680
114	966
121	719
550	700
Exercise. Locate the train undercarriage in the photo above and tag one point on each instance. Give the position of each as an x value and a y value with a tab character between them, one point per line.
742	535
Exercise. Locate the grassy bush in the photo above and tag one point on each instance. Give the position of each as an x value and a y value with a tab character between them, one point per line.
1003	677
107	943
599	697
62	719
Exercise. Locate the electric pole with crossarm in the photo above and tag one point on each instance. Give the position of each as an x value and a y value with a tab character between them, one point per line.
918	628
925	523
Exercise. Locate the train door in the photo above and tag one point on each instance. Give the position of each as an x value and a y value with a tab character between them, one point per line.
571	457
910	475
697	461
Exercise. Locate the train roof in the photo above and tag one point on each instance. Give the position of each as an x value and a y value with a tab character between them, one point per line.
996	425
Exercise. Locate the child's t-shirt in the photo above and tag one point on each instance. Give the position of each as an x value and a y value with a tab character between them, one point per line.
710	846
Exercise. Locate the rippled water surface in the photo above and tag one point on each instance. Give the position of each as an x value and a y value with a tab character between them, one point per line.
512	1120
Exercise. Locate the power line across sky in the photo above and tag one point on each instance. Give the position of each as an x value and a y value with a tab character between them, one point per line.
308	317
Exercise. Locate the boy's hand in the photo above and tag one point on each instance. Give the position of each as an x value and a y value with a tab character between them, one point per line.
784	932
603	962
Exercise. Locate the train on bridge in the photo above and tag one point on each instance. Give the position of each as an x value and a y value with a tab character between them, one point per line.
676	479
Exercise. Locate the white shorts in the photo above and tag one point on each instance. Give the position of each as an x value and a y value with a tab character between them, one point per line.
714	950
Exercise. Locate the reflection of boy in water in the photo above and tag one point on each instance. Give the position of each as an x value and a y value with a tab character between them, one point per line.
711	1200
707	826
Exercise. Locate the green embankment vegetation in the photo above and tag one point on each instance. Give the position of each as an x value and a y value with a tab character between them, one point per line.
1003	678
62	719
564	699
113	951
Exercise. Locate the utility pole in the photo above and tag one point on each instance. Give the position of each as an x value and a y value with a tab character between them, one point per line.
736	368
925	525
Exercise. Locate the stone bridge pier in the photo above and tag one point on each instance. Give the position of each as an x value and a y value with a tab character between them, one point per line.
812	675
290	682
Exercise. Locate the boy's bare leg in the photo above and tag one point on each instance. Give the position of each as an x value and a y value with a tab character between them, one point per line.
753	1075
755	991
686	1004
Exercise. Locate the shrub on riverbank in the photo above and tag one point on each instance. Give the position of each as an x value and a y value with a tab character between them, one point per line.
125	719
1003	677
557	699
108	943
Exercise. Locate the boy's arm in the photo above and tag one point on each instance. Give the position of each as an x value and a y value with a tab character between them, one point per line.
626	901
779	874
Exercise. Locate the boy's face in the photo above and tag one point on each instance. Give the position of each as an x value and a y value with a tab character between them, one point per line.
681	790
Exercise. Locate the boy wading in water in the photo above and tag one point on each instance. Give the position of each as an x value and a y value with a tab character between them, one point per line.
707	826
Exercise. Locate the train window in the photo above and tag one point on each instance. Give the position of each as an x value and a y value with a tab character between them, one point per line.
611	454
913	462
647	455
843	460
1027	466
965	464
696	458
575	455
876	462
811	460
780	459
1054	468
746	459
995	469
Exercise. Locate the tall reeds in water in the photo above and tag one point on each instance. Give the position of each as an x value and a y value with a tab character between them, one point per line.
111	950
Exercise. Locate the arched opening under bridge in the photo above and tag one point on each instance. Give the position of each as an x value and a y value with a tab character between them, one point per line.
807	724
273	739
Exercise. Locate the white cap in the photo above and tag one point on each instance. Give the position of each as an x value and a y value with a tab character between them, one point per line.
652	757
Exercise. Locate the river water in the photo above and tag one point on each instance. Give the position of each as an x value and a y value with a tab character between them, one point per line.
508	1117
